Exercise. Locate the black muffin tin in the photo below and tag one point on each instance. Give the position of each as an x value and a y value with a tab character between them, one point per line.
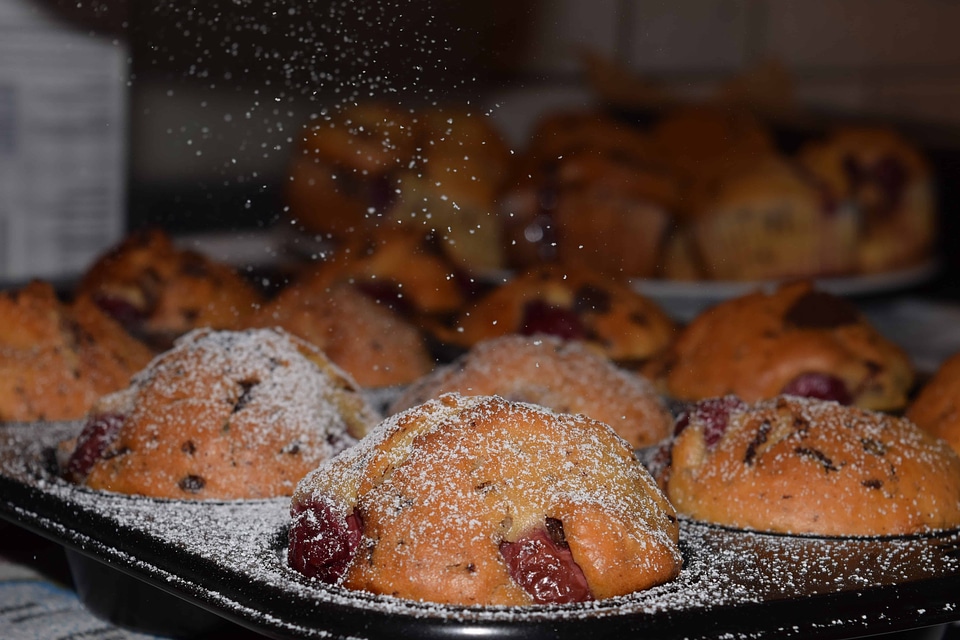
228	559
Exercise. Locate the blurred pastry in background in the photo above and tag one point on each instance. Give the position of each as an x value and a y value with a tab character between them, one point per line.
343	176
222	415
57	359
936	408
400	267
807	466
562	375
761	218
796	340
435	169
451	189
698	141
576	304
159	292
590	191
368	340
890	184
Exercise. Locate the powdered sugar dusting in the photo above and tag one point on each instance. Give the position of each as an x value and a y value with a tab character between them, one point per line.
230	556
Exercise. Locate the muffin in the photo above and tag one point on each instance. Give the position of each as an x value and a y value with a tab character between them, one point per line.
564	376
400	267
57	359
575	304
436	169
372	343
697	141
480	501
223	415
889	182
795	340
763	219
936	408
589	192
159	292
452	189
807	466
346	168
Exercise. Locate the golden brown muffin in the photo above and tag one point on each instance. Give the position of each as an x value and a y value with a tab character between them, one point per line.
570	303
452	189
346	166
159	292
401	267
796	340
806	466
890	184
223	415
372	343
480	501
762	219
936	409
57	359
564	376
591	191
437	170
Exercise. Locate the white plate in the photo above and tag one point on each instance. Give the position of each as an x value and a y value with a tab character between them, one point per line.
683	299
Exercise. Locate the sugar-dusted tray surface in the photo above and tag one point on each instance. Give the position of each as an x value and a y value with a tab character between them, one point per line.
228	558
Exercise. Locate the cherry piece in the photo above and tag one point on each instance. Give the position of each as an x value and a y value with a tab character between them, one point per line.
121	310
98	434
545	569
322	541
542	317
818	385
713	414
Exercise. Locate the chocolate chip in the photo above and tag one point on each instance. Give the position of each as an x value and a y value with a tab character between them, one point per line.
817	455
758	439
874	447
192	484
555	531
188	447
821	310
872	483
246	386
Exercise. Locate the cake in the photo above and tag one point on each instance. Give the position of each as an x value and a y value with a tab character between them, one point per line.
58	358
564	376
480	501
808	466
222	415
159	291
794	340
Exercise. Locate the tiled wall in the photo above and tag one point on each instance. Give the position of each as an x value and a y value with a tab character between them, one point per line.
888	57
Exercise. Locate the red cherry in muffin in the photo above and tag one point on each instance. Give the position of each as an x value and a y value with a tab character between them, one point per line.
542	317
322	540
542	565
98	434
819	385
